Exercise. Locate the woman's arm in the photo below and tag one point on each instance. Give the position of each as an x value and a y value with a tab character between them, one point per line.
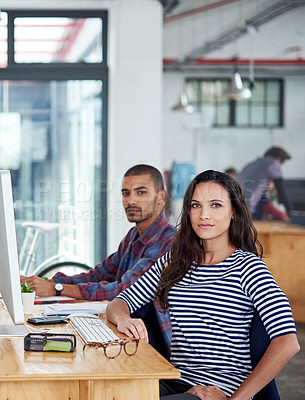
280	350
278	353
118	313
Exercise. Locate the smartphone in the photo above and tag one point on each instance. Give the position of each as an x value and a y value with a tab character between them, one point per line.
47	320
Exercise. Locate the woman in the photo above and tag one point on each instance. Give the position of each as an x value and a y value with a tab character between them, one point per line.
211	283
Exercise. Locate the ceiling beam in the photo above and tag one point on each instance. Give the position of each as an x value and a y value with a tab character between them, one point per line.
198	10
224	67
278	8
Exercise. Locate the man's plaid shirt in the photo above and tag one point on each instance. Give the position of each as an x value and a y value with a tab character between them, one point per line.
134	257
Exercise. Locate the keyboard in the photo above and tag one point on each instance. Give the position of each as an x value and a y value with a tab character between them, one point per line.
92	330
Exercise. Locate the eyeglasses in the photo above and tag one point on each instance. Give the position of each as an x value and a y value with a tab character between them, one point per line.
113	349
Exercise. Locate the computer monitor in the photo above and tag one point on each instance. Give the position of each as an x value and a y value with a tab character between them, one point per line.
296	191
10	288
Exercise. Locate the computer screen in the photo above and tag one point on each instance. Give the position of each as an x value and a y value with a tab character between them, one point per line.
10	288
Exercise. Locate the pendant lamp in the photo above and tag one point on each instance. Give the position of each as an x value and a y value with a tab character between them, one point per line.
183	104
237	90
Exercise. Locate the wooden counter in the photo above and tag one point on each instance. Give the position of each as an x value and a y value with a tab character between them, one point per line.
81	375
284	254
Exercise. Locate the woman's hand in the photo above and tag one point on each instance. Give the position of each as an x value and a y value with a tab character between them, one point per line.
118	313
133	327
207	392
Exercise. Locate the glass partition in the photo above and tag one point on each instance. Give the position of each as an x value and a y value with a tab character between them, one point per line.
3	39
51	140
53	127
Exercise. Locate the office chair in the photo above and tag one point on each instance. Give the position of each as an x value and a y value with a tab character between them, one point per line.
259	341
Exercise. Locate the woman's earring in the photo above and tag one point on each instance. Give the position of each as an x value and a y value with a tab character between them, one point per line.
200	241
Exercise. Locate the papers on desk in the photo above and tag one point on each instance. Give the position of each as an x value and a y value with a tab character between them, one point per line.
92	307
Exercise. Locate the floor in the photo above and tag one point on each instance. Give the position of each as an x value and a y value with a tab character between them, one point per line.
291	380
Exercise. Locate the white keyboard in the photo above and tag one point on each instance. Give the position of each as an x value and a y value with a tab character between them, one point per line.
92	330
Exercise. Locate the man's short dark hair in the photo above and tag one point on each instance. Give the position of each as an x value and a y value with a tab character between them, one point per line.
278	152
142	169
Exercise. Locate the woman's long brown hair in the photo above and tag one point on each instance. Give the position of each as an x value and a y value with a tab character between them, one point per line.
187	252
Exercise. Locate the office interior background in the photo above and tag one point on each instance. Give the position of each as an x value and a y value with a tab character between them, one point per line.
87	90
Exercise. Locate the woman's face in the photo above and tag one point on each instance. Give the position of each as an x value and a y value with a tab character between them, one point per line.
211	211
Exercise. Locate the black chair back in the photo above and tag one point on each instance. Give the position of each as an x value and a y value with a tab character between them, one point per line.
259	341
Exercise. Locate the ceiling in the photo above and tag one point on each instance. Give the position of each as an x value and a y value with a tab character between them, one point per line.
210	36
214	36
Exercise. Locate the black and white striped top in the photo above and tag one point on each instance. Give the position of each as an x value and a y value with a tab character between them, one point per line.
211	312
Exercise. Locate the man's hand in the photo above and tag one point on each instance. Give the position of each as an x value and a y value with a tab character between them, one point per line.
133	327
207	392
42	286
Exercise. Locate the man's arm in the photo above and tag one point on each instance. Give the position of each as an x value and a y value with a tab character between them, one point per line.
103	290
106	270
45	287
102	271
128	272
90	281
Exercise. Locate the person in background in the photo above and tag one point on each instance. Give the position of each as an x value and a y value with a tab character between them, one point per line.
143	197
255	178
211	283
274	210
231	171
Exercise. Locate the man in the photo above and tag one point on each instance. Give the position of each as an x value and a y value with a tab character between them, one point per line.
143	197
255	178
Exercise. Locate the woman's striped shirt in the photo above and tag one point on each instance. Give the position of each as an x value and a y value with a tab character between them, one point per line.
211	310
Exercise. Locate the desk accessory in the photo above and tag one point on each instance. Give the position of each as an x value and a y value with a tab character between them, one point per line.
54	299
47	320
50	342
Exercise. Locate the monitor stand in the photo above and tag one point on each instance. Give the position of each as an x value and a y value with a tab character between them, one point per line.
13	330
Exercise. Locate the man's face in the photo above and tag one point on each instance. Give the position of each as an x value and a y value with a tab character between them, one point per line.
140	198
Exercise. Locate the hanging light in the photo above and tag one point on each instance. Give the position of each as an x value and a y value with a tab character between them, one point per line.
183	104
237	90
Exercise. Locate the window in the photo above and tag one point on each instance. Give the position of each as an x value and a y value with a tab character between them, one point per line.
263	109
43	37
3	39
57	39
53	123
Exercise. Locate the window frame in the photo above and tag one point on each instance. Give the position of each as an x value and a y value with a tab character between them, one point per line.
53	71
232	104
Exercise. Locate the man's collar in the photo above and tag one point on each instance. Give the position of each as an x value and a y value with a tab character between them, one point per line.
161	217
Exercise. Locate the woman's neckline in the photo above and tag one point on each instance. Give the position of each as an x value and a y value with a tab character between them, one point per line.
222	259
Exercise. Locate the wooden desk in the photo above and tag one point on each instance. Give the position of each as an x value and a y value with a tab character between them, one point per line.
80	375
284	250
